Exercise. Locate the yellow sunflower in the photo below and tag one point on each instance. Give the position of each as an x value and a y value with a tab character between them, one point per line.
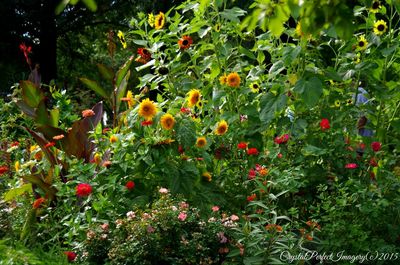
222	128
337	103
121	38
147	109
151	20
167	121
223	79
255	87
217	27
233	80
376	6
380	27
201	142
362	43
193	97
159	21
129	99
207	176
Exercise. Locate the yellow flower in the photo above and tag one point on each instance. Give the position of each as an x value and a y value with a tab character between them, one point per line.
113	139
199	104
167	121
362	43
380	27
147	109
201	142
233	80
97	159
217	27
255	87
207	176
151	20
17	166
194	97
159	21
33	148
337	103
129	99
121	38
292	79
223	79
376	6
298	30
222	128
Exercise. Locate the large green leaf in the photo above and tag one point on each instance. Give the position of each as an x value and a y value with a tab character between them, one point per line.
31	94
121	90
186	133
310	90
93	85
270	105
91	4
105	71
13	193
123	70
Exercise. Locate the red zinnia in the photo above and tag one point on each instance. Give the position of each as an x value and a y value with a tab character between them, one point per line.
130	185
252	197
16	143
83	189
185	110
185	42
252	174
147	123
242	145
36	204
144	53
373	162
282	139
70	255
3	169
351	166
252	151
50	144
376	146
324	124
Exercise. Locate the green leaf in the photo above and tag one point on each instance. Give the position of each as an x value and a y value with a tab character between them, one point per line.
276	26
54	117
246	52
121	91
290	53
91	4
123	70
105	71
186	133
270	105
233	14
203	32
310	90
31	94
310	150
13	193
93	85
61	6
42	115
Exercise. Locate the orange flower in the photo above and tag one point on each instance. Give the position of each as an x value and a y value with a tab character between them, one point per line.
309	237
38	202
201	142
185	42
107	163
3	169
193	97
113	139
274	227
222	128
88	113
38	156
58	137
233	80
167	121
50	144
144	53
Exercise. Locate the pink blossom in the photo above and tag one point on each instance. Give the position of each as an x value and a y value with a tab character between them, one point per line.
215	208
351	166
234	217
182	216
163	191
252	174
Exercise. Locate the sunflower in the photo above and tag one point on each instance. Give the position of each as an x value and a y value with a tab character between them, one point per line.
199	104
121	38
185	42
222	128
129	99
223	79
376	6
217	27
207	176
167	121
159	21
362	43
233	80
337	103
194	97
147	109
255	87
201	142
144	53
380	27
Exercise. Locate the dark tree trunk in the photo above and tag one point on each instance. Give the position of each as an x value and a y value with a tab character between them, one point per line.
48	41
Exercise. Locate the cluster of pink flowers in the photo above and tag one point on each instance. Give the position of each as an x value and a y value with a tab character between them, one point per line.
282	139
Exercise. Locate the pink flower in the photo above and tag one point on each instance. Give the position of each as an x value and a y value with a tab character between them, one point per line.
282	139
163	191
252	174
215	208
324	124
234	217
376	146
83	189
184	205
150	229
351	166
280	155
182	216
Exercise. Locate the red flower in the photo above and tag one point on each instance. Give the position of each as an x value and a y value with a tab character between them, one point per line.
279	155
3	169
373	162
144	53
83	189
26	50
242	145
130	185
282	139
70	255
252	174
376	146
252	197
16	143
252	151
147	123
88	113
185	42
324	124
361	146
180	149
50	144
36	204
351	166
185	110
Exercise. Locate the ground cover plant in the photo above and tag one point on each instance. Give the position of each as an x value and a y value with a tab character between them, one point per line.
226	135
